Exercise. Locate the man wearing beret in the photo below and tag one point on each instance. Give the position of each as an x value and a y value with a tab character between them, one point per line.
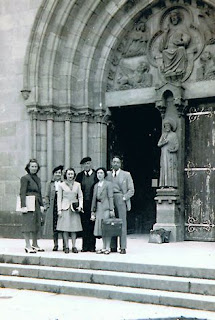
87	178
123	190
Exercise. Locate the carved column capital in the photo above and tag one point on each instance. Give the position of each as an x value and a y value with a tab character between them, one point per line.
181	106
161	107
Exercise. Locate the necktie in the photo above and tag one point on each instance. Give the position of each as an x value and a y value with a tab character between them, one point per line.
87	174
114	174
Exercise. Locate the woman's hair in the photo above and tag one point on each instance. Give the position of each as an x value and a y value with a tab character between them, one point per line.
69	169
103	169
28	165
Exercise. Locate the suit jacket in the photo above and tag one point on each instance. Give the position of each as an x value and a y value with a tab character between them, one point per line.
105	197
79	179
126	185
66	196
30	185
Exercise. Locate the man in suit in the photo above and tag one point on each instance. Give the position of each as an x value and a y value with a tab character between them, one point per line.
123	190
87	178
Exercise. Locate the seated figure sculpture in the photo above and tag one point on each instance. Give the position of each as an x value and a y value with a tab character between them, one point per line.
173	45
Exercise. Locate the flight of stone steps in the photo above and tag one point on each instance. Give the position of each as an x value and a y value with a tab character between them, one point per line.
155	284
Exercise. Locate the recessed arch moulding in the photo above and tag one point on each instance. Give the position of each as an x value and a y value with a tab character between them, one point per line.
84	56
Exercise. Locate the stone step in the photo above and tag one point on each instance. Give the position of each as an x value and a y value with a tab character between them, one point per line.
105	264
133	280
160	297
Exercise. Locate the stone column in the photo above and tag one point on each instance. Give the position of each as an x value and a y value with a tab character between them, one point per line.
85	135
34	135
49	145
43	157
102	122
169	200
67	139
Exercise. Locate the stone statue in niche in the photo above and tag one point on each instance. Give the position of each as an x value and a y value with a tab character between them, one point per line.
173	44
168	162
129	78
207	69
137	41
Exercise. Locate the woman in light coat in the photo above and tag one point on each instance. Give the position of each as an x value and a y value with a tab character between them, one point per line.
70	204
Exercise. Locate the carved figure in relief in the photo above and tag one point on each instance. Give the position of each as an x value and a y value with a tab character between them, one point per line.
137	41
168	162
207	17
207	70
129	78
173	45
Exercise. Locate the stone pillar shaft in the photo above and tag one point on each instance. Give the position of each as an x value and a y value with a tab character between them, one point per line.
67	153
84	138
49	148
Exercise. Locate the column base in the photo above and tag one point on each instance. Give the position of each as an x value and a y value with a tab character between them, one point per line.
168	213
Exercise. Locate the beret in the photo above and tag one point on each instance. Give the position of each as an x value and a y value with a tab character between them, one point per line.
57	168
85	160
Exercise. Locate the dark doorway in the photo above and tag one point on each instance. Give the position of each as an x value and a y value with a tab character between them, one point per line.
133	134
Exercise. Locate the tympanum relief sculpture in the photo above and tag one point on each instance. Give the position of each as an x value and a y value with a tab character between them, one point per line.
166	44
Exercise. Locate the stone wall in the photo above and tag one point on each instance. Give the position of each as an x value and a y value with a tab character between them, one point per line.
16	18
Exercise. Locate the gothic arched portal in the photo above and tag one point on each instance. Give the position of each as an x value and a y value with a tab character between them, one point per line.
84	58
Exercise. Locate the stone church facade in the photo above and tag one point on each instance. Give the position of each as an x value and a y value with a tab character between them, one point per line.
97	77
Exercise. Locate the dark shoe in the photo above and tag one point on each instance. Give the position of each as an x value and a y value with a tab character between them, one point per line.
66	250
31	250
38	249
113	249
74	250
122	251
92	250
84	250
55	248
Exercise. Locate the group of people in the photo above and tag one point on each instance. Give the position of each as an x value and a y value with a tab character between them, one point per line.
76	204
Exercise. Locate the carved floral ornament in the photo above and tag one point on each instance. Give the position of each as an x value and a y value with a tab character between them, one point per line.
58	114
162	45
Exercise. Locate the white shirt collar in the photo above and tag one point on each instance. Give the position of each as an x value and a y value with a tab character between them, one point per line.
117	172
100	183
56	183
89	172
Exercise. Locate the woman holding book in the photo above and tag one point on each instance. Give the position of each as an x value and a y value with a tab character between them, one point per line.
30	185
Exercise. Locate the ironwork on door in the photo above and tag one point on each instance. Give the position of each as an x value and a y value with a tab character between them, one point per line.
200	173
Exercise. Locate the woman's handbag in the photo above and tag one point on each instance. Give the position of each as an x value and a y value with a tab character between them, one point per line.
74	206
112	227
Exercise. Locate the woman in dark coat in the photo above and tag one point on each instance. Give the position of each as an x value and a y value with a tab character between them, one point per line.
102	207
31	220
51	206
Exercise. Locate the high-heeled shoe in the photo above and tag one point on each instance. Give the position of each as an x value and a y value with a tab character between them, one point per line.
29	250
38	249
74	250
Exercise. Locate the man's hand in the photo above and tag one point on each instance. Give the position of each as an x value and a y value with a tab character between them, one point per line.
24	210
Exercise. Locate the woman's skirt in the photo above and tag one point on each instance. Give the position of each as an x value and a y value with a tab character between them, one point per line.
69	221
31	221
101	214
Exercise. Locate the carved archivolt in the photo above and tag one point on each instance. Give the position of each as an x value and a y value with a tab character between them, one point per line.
162	46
